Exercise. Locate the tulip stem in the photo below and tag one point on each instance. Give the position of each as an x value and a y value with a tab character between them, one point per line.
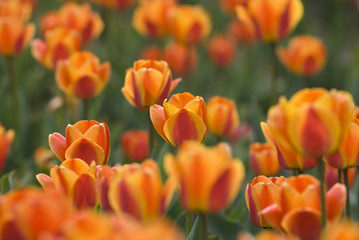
14	90
322	191
86	109
189	223
347	204
151	135
203	224
339	175
274	82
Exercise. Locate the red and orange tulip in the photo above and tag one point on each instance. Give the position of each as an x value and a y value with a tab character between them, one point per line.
59	44
348	230
148	82
104	174
151	53
87	140
82	75
76	17
263	159
221	50
182	118
229	6
305	55
331	176
243	32
138	190
222	116
209	178
6	138
135	145
272	20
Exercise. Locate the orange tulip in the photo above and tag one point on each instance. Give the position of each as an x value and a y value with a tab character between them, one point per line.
189	24
138	190
305	55
222	116
74	178
263	159
272	19
268	235
147	83
117	4
298	209
221	50
229	6
151	53
311	124
76	17
15	9
87	140
6	138
82	75
181	118
209	178
150	17
348	230
135	145
104	174
181	59
243	32
261	193
59	44
331	176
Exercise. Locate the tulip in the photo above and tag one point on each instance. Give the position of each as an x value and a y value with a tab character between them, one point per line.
331	176
229	6
182	117
244	32
208	177
87	140
273	20
181	59
243	132
6	138
15	10
147	83
135	145
138	190
221	50
75	179
151	53
82	75
117	4
150	17
104	174
59	44
347	230
263	159
222	116
44	158
76	17
261	193
267	235
189	24
305	55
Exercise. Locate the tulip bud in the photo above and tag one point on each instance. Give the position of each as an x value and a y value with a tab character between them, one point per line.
135	145
263	159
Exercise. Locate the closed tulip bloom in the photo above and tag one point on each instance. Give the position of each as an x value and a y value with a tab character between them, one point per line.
6	138
138	190
221	50
148	82
182	118
305	55
59	44
222	116
87	140
15	36
331	176
135	145
150	17
272	19
189	24
82	75
209	178
261	193
76	17
15	9
182	59
117	4
243	32
263	159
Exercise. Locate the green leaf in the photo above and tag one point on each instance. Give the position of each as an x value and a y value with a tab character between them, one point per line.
195	233
7	182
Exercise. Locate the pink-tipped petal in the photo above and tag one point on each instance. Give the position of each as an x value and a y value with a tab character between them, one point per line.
58	145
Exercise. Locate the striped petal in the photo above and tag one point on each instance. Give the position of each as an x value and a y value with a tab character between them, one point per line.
58	145
87	150
84	191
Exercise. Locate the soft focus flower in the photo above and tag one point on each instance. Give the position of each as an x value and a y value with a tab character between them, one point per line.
189	24
148	82
117	4
221	50
267	235
74	178
298	209
345	230
208	177
151	53
104	175
82	75
261	193
6	138
15	9
182	117
243	32
182	59
138	190
135	144
263	159
59	44
243	132
331	176
305	55
229	6
14	36
311	124
87	140
272	19
150	17
76	17
44	158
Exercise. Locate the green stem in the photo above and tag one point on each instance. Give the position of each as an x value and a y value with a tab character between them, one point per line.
14	90
339	175
306	81
275	74
347	204
189	223
151	135
203	224
322	191
86	109
295	172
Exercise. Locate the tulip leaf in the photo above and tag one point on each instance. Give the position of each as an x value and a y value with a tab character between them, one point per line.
195	233
221	227
7	182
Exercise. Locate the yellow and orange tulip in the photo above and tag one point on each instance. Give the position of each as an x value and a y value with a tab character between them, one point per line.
263	159
87	140
182	118
6	138
147	83
15	9
221	50
82	75
272	20
348	230
305	55
135	145
209	178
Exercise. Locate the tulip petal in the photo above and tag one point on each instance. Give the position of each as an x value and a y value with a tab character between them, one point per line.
84	125
158	119
84	191
72	134
272	215
58	145
87	150
335	198
45	181
77	165
63	178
